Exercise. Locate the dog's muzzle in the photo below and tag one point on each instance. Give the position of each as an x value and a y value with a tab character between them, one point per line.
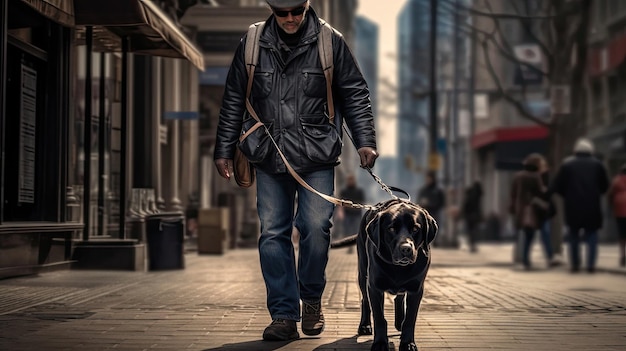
406	254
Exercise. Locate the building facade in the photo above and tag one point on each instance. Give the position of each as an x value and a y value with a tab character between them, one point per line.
91	110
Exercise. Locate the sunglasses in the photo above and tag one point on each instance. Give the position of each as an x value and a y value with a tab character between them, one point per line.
284	13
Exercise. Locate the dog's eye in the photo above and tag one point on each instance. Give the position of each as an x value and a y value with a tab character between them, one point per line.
391	229
416	229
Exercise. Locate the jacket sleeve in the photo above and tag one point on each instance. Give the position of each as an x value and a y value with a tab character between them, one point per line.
233	107
350	88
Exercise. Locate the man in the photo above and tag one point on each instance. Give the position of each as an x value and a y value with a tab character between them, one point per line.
431	197
581	180
289	95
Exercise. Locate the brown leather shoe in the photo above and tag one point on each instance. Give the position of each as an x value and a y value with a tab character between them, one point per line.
281	330
312	318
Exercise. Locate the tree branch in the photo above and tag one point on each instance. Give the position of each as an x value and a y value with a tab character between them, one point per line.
517	104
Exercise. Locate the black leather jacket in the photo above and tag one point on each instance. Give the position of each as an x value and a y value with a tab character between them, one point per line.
290	99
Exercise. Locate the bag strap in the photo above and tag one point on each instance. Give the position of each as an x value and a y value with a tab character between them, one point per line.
252	58
325	48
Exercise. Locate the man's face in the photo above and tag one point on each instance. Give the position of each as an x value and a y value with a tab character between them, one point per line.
291	19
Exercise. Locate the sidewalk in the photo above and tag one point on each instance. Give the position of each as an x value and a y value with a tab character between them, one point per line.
501	255
472	302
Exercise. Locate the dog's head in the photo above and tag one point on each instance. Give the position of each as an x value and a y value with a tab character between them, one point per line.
399	230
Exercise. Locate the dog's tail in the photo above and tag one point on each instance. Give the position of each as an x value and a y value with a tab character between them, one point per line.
345	242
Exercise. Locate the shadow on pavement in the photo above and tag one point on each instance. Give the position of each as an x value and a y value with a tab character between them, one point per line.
348	344
257	345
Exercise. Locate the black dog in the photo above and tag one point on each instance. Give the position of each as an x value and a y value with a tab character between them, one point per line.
393	246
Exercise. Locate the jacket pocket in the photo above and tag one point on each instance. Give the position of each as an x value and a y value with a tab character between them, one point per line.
314	82
262	84
321	140
257	145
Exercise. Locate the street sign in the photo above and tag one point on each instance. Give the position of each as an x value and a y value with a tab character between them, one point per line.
434	161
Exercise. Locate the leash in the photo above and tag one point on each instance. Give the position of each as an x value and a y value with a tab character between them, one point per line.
389	189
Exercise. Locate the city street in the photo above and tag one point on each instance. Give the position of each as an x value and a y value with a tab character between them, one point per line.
471	302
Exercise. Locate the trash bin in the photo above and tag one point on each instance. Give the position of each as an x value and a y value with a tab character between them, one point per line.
165	236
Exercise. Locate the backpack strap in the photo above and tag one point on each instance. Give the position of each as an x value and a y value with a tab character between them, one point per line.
252	51
252	58
325	48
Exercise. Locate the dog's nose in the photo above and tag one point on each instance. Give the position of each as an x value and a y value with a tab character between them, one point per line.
406	248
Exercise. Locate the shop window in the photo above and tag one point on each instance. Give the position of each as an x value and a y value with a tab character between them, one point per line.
34	85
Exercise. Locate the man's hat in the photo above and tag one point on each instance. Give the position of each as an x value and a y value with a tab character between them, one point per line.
285	4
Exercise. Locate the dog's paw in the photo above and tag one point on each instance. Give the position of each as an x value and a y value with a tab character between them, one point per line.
408	346
381	346
365	330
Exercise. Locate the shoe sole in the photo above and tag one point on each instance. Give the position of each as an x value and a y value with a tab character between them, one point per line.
313	332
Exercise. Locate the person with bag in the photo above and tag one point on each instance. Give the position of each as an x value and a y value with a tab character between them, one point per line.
527	205
547	210
617	201
581	180
290	98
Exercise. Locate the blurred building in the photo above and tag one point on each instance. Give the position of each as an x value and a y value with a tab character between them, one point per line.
414	85
606	88
502	137
92	108
365	50
606	107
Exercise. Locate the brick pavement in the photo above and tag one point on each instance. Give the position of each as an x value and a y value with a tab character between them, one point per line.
472	302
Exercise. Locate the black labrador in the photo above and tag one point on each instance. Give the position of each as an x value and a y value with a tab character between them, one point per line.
393	246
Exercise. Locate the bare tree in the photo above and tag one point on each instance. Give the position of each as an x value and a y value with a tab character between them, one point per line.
560	29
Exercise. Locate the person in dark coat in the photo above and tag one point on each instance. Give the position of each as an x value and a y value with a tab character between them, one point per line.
546	228
472	212
581	180
525	188
431	197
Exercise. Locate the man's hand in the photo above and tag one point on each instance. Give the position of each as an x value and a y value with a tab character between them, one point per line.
224	167
368	156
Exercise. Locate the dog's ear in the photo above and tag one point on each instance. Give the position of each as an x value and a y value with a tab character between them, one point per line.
373	229
433	228
430	231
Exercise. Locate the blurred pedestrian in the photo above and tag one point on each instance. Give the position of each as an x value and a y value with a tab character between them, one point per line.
581	180
545	228
472	213
527	192
432	198
290	98
617	200
351	218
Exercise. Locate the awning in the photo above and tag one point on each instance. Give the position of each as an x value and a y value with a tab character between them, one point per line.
60	11
149	30
497	135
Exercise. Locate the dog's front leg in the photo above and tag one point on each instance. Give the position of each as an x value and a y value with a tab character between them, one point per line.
377	301
407	336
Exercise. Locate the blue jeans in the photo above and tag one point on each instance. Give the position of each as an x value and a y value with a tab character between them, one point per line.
286	285
591	237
